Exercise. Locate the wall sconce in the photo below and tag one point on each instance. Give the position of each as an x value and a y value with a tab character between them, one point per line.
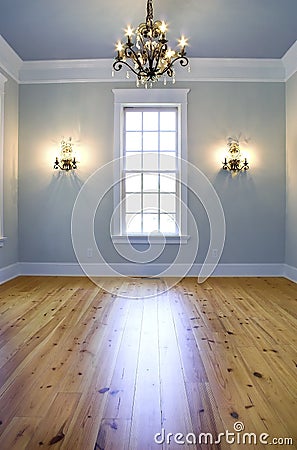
234	162
67	159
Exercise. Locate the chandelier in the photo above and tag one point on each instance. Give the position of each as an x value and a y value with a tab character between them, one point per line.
147	54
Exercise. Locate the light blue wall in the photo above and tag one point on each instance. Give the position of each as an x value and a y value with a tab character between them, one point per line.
291	219
9	252
254	203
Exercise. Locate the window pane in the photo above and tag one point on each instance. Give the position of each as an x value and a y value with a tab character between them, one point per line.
167	141
133	223
133	183
167	203
133	120
167	183
150	201
133	161
168	120
150	161
150	141
150	223
168	161
168	223
150	120
133	141
150	182
133	203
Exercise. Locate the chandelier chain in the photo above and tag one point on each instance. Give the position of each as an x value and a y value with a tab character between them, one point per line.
150	11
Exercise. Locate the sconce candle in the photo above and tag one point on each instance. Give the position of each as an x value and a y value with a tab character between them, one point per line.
234	161
67	159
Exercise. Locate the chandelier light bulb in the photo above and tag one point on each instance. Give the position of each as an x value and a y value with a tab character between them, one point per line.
163	27
119	47
169	54
129	31
183	42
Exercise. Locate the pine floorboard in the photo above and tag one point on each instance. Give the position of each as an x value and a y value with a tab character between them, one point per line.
84	367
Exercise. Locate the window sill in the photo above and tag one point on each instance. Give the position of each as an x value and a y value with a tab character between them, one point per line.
144	239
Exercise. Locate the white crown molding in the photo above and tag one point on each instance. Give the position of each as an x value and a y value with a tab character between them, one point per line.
66	71
99	70
10	62
232	69
202	69
289	61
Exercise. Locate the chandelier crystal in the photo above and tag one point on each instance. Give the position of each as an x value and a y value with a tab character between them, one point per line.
146	52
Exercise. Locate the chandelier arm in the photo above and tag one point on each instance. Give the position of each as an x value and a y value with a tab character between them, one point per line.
118	65
140	65
163	47
183	62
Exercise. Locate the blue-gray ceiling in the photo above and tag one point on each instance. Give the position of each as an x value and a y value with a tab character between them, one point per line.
79	29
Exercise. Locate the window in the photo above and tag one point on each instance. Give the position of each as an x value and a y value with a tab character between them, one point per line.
150	142
2	81
150	171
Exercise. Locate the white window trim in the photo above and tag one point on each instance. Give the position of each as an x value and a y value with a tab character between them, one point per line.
141	98
2	82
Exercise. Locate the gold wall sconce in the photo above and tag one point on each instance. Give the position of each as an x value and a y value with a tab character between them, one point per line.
67	159
234	161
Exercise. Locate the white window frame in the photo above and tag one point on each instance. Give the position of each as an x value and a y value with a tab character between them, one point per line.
2	82
142	98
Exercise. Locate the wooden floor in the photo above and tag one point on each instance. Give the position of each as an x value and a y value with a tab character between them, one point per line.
84	368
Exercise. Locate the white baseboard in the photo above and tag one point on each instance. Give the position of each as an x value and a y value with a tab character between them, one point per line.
51	269
249	270
290	272
9	272
177	270
222	270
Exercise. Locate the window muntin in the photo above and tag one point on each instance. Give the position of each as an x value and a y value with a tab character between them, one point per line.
150	173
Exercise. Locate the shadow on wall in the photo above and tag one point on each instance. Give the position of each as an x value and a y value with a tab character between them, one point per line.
238	194
48	224
246	212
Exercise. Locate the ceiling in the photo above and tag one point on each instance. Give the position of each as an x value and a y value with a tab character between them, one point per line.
88	29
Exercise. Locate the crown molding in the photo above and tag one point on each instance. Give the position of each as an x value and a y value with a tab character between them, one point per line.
202	69
66	71
10	62
289	61
99	70
233	69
